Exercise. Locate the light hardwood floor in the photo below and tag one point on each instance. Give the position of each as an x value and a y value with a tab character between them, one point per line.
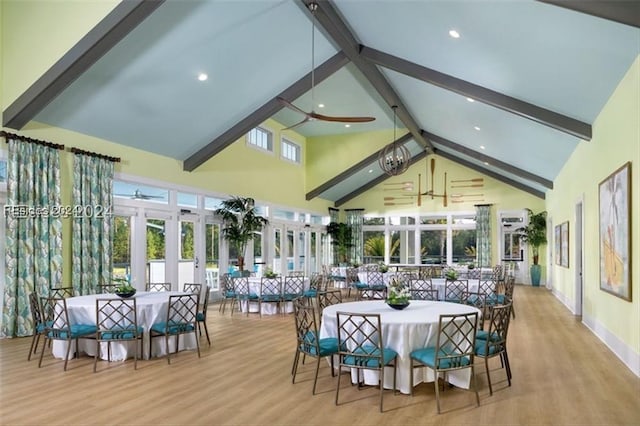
562	374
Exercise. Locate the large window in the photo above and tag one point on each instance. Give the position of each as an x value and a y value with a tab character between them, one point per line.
260	137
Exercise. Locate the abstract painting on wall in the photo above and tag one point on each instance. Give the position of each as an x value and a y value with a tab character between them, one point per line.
615	238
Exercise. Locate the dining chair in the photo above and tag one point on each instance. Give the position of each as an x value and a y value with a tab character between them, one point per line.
59	327
308	341
292	288
117	321
181	319
374	286
327	298
201	316
270	292
109	288
360	347
295	274
158	287
509	287
243	293
454	350
455	289
316	283
39	326
61	292
492	343
228	292
422	289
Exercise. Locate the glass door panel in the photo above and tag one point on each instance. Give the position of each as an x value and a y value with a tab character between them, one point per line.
187	259
121	247
212	247
156	250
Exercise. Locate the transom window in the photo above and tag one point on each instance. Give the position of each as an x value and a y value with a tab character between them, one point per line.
260	137
290	151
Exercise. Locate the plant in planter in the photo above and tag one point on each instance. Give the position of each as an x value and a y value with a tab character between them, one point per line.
123	287
268	273
535	234
341	238
241	224
451	274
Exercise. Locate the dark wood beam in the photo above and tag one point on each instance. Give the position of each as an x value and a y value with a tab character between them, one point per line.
267	110
335	27
624	11
126	16
376	181
485	158
364	163
492	174
535	113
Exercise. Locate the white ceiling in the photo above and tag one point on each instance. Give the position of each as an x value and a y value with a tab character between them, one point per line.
145	87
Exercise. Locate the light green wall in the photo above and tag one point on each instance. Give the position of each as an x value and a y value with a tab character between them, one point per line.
36	33
616	140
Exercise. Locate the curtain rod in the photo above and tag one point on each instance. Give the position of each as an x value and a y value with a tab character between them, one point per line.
482	205
27	139
94	154
353	210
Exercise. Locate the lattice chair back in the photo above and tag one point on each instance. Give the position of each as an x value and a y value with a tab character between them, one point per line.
318	282
296	273
422	289
241	287
488	286
193	288
455	345
107	288
61	292
454	290
117	320
293	288
375	278
499	272
328	298
271	288
158	287
474	274
39	326
201	316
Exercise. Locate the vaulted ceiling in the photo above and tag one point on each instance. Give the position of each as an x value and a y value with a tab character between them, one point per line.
511	97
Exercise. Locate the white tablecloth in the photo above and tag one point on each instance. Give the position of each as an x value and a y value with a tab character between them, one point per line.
151	308
267	308
403	331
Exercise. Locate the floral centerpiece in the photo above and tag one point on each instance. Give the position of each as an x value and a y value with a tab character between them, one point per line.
451	274
124	287
397	294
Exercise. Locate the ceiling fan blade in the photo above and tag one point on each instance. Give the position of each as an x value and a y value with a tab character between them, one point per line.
292	106
317	116
297	124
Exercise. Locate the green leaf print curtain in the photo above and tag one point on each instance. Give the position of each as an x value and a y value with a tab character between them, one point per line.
355	219
33	238
483	235
92	230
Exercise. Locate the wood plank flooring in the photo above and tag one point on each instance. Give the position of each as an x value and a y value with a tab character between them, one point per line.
562	374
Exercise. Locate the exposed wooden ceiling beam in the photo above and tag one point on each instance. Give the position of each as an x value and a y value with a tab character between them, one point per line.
485	158
366	162
376	181
492	174
540	115
126	16
624	11
335	27
267	110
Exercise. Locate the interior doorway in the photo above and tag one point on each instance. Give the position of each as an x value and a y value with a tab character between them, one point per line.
578	260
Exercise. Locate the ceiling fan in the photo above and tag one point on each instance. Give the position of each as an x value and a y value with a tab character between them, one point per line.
312	115
139	195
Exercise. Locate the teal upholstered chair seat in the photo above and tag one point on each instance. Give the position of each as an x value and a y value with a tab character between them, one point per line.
181	319
72	332
427	356
172	328
121	334
370	357
484	335
319	347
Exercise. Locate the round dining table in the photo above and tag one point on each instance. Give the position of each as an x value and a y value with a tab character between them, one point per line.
403	331
151	307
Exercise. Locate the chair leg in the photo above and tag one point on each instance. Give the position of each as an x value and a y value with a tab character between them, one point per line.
96	356
411	376
475	385
315	380
44	345
34	344
381	386
507	365
294	367
166	345
206	331
338	386
437	391
486	365
66	358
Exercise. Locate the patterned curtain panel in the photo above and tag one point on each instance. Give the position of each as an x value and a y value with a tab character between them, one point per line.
355	220
33	232
483	235
92	230
334	216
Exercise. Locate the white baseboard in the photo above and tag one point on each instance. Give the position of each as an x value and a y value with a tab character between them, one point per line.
617	346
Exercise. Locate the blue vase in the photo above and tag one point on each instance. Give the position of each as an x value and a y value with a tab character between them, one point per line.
536	272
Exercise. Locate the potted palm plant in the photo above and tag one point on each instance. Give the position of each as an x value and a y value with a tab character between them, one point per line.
535	234
341	238
241	224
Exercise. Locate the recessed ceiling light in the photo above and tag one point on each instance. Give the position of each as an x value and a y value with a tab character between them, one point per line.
477	128
320	105
486	164
370	170
347	125
202	76
481	146
470	99
454	34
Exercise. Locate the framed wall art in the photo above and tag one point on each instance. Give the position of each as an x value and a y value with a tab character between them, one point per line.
564	244
556	244
615	233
